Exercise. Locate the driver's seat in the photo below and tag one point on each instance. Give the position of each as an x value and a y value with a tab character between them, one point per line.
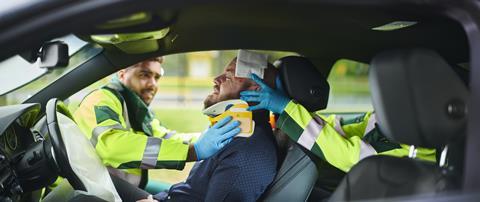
76	159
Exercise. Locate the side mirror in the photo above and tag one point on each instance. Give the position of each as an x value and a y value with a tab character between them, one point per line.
52	55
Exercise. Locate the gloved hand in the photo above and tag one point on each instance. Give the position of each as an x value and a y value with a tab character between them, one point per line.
216	137
270	99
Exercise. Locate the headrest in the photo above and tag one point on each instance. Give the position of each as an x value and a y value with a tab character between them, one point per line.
418	98
303	82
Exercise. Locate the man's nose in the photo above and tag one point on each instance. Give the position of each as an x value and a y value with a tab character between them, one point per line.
152	82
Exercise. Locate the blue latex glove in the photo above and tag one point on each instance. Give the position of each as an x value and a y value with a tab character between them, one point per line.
216	137
268	98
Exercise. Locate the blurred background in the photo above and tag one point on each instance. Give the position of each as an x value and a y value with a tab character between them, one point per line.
188	80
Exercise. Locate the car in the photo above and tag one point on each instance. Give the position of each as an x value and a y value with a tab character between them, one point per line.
73	44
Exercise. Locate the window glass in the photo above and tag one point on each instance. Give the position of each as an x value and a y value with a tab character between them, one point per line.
26	79
349	90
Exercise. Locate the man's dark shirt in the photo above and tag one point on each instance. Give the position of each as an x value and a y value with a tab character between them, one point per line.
241	171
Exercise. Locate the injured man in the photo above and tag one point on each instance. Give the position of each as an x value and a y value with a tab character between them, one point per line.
242	170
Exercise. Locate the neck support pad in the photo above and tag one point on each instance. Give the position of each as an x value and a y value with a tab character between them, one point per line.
237	109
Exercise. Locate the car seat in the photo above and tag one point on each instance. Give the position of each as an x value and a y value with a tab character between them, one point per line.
419	100
297	174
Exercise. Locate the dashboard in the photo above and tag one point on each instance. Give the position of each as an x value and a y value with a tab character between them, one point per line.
33	153
15	138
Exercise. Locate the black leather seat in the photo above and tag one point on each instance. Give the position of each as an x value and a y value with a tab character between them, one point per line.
297	174
419	100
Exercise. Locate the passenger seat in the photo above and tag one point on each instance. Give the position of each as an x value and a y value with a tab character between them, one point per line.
419	100
297	174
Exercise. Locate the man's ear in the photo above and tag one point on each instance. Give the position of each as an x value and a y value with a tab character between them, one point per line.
121	74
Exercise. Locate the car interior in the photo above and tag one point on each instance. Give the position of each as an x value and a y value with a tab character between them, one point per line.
423	77
395	76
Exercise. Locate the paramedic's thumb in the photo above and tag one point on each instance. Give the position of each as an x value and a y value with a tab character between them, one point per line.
268	98
216	137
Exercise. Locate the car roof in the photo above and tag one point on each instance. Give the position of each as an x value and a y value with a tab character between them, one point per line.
320	30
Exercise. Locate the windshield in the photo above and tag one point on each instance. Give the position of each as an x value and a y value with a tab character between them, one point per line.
24	79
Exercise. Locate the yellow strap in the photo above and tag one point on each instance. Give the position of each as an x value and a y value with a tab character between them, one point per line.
234	115
244	114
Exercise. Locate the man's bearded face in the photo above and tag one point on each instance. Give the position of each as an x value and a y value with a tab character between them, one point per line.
227	86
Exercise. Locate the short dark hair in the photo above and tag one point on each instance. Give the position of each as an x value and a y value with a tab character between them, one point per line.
269	75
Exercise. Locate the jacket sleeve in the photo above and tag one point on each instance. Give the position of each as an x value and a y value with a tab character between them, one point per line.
342	143
100	118
324	136
165	133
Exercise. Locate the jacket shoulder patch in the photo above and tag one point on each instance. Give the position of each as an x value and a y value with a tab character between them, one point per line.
103	113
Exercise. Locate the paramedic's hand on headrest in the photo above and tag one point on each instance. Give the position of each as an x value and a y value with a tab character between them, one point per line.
216	137
273	100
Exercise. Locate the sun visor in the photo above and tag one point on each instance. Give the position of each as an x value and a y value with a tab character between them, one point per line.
133	43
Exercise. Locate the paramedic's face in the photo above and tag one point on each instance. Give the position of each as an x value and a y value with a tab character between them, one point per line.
142	79
227	86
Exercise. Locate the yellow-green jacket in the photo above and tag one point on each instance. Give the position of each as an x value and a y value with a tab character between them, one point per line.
126	135
341	143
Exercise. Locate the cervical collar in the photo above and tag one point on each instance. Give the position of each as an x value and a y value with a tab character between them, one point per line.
237	109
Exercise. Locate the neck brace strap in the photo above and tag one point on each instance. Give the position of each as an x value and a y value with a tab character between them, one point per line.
237	112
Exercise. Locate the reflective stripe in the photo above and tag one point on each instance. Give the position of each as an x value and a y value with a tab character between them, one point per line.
366	150
338	126
169	134
101	129
125	115
311	132
371	124
150	155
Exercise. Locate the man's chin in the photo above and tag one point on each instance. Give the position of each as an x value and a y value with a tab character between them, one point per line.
147	101
210	100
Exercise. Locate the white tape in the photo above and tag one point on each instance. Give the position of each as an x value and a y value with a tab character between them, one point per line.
250	62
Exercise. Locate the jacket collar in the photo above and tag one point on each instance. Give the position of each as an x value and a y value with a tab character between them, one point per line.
139	114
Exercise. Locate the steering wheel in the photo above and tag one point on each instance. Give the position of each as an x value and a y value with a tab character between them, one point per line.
58	146
74	155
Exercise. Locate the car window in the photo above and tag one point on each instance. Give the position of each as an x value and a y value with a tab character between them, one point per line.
16	67
349	90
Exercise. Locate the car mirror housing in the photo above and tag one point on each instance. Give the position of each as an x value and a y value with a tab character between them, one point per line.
52	55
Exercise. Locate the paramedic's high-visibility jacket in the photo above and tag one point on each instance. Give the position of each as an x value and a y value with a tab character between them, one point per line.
105	120
341	143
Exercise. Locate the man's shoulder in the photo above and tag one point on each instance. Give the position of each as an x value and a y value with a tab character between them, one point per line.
101	96
261	142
